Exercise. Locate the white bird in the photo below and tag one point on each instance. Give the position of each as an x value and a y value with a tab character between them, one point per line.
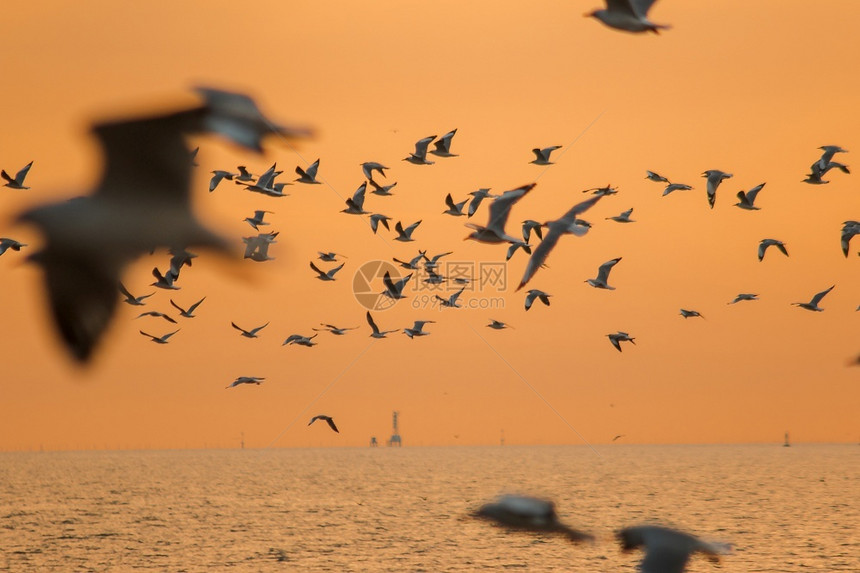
309	175
628	16
378	218
405	235
249	333
160	339
131	299
528	514
334	329
245	380
567	224
477	197
500	210
355	204
443	145
7	243
189	313
747	200
498	324
715	177
813	304
765	243
218	175
420	155
157	314
690	313
394	289
542	155
368	167
743	296
667	550
383	190
257	219
376	332
18	181
326	275
624	217
416	329
618	337
655	177
451	301
603	275
327	419
454	209
536	294
675	187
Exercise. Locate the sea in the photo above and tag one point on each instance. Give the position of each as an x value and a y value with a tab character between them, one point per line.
782	509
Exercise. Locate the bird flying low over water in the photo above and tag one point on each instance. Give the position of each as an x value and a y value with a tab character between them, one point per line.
714	177
245	380
528	513
667	550
443	145
813	304
618	337
420	155
628	16
327	419
542	155
765	243
18	181
567	224
376	332
536	294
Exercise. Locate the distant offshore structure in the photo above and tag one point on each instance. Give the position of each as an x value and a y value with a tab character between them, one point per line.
395	439
786	443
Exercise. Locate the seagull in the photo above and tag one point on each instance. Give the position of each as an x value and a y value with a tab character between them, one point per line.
244	174
355	204
245	380
715	177
394	289
765	243
405	235
603	275
157	314
528	514
334	329
617	338
433	262
617	437
7	243
675	187
141	202
130	298
376	332
747	200
536	294
624	217
326	275
567	224
655	177
416	329
500	209
666	550
18	181
309	175
451	301
165	281
530	225
218	175
300	340
813	304
160	339
257	219
849	229
744	296
368	167
498	325
412	264
384	190
608	190
690	313
829	152
329	257
187	313
249	333
328	420
376	219
542	155
420	155
477	197
443	145
628	16
265	184
455	209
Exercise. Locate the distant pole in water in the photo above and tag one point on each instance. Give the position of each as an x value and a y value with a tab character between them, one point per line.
786	444
502	439
242	441
395	440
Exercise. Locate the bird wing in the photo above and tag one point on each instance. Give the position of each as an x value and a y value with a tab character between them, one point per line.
331	424
372	324
177	307
358	196
239	328
762	248
168	335
449	201
817	298
751	194
781	247
318	271
500	208
641	7
311	171
622	6
615	343
603	270
444	143
125	292
333	271
22	173
539	255
421	146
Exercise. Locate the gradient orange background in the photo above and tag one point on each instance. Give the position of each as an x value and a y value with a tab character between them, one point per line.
752	88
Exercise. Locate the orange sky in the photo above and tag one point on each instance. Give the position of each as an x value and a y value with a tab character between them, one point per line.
733	85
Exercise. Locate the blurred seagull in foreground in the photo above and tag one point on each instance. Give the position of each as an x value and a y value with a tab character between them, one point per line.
18	181
130	298
567	224
603	275
189	313
743	296
715	177
528	514
420	155
667	550
617	338
160	339
690	313
326	275
443	145
309	175
417	328
813	304
245	380
376	332
536	294
542	155
500	209
628	16
623	217
327	419
7	243
747	200
368	167
765	243
249	333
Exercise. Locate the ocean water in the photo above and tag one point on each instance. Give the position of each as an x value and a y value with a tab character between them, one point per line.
388	509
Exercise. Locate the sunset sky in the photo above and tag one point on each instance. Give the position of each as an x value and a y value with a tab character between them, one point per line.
751	88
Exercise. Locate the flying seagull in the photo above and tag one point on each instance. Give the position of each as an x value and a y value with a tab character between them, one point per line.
542	155
376	332
624	217
130	298
498	324
326	275
218	175
603	275
383	190
411	264
328	420
166	280
500	209
618	337
655	177
849	229
528	514
157	314
189	313
355	204
378	218
265	184
690	313
443	145
827	156
334	329
420	155
667	550
454	209
7	243
765	243
743	296
160	339
628	16
451	301
715	177
536	294
245	380
394	289
747	200
329	257
300	339
368	167
18	181
405	235
416	329
477	197
257	219
567	224
813	304
530	225
675	187
249	333
309	175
